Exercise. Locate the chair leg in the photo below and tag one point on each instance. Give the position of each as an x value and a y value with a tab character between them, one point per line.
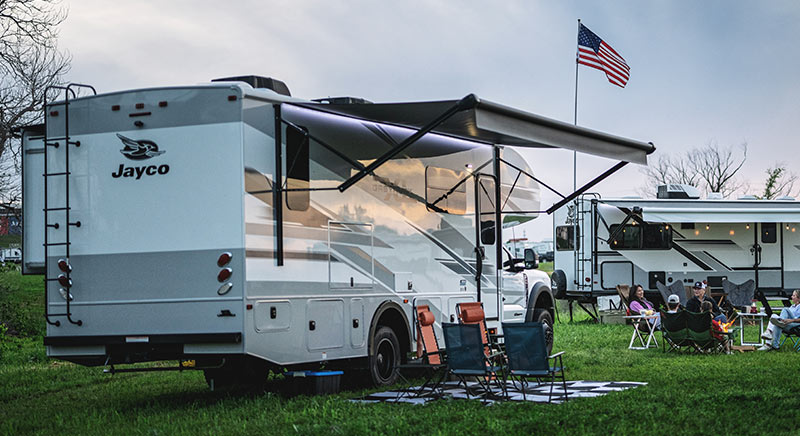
564	383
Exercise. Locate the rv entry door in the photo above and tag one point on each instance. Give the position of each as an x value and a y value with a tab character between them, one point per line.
486	277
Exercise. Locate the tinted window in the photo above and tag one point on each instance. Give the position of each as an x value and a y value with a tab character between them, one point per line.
487	210
297	169
446	190
648	237
769	233
565	238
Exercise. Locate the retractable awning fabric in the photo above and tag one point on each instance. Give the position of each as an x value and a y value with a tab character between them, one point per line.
714	211
493	123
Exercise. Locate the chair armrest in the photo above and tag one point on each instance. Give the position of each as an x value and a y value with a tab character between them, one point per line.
556	355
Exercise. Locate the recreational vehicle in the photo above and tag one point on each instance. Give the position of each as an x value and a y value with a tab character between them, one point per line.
676	238
243	229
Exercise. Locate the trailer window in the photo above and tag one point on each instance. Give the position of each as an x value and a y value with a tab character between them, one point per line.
486	192
565	238
446	190
642	237
628	238
769	233
297	169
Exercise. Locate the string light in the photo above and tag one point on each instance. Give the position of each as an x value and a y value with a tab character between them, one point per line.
708	227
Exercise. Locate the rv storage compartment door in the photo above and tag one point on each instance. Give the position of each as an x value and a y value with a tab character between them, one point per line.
325	324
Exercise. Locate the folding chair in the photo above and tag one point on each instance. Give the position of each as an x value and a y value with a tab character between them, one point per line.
739	295
624	291
429	357
526	351
466	358
472	313
792	335
700	333
674	331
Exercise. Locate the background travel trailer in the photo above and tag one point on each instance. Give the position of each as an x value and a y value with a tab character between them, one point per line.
677	237
169	225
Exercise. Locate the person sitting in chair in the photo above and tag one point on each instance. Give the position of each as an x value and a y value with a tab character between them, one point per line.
638	304
716	328
694	304
789	319
673	304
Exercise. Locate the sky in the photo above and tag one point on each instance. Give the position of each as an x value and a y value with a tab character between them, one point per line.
711	71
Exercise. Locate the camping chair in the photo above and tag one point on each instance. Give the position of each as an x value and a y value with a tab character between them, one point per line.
674	331
739	295
792	335
466	358
429	357
472	313
676	288
624	291
700	333
526	351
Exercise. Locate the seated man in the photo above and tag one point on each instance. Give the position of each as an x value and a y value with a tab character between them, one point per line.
673	303
693	305
790	318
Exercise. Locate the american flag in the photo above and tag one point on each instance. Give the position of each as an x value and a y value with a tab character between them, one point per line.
594	52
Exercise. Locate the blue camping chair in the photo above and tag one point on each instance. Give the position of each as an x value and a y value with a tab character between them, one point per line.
466	357
526	350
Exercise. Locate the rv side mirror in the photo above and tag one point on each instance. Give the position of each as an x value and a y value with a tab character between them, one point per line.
531	259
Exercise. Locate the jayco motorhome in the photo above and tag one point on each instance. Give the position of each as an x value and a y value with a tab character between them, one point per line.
678	237
234	225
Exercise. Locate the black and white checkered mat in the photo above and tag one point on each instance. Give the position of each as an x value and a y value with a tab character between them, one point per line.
534	392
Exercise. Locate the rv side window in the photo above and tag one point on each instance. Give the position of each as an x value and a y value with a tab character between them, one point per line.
769	233
487	210
647	237
446	190
565	238
297	171
629	237
657	237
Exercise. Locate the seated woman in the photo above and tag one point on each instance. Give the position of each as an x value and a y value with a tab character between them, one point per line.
638	304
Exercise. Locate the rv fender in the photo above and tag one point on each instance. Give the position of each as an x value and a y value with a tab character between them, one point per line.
559	279
389	342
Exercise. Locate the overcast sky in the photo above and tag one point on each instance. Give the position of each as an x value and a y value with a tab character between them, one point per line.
724	71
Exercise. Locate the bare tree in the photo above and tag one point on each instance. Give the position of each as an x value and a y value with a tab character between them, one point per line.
711	168
29	62
717	167
780	182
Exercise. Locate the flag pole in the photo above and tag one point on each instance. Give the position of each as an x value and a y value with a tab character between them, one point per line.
575	116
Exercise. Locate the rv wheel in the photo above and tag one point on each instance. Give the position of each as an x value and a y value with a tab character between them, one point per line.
384	358
544	317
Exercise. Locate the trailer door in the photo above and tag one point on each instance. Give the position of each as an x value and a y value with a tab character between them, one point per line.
486	276
768	256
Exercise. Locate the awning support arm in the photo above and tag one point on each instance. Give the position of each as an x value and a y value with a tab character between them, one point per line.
465	103
532	177
586	187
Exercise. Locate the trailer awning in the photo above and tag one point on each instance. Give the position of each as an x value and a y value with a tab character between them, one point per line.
714	211
493	123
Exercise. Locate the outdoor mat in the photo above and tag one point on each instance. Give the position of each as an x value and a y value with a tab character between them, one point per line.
534	392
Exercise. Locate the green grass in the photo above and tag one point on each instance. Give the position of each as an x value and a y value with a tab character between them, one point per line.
10	240
752	393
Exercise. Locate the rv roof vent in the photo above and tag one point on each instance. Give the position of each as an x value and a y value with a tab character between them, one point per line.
714	196
342	100
748	197
785	198
678	191
259	82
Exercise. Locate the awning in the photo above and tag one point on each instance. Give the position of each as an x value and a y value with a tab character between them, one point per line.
493	123
714	211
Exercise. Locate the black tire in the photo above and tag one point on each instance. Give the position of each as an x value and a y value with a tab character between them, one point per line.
544	317
384	358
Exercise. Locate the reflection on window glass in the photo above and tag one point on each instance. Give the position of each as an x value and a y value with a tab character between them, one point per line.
487	210
565	238
638	237
446	190
769	233
297	168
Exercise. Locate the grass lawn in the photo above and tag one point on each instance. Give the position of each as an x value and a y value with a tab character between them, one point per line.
751	393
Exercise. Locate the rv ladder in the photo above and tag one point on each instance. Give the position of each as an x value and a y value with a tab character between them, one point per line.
55	142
